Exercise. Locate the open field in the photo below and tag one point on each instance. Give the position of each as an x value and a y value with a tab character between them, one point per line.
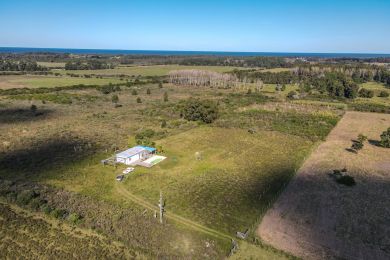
275	70
32	81
52	64
222	189
316	218
154	70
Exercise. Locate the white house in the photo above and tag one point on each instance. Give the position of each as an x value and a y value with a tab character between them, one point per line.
137	153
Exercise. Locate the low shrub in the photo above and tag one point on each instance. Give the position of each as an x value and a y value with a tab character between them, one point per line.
370	107
74	218
383	94
366	93
36	203
46	209
346	180
58	213
385	138
292	94
25	196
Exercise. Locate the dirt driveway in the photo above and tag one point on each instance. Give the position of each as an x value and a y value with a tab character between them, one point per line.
317	218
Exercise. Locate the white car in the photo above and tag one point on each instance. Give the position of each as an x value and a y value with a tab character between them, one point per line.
128	170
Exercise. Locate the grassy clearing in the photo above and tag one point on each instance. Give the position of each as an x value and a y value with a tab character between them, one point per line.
313	125
155	70
271	89
52	64
275	70
30	81
377	88
330	105
251	251
229	188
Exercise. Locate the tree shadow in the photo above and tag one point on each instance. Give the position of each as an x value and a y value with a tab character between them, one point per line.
375	142
14	115
50	153
350	150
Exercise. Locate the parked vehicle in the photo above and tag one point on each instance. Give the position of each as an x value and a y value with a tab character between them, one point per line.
128	170
120	177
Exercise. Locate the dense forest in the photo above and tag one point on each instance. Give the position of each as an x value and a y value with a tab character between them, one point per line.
23	65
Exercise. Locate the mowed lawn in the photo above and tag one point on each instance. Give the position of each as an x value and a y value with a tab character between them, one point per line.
32	81
155	70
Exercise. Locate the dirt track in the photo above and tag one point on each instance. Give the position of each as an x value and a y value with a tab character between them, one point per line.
316	218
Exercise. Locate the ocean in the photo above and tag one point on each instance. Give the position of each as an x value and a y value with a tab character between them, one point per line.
185	53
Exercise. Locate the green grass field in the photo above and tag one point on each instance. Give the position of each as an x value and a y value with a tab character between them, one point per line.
30	81
155	70
227	190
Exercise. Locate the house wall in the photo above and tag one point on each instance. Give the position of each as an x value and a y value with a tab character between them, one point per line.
120	160
132	159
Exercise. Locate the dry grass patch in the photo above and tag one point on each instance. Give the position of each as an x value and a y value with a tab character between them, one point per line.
317	218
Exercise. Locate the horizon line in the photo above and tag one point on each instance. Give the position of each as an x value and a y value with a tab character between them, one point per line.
200	51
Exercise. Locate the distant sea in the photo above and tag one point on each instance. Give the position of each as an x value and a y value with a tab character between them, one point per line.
184	53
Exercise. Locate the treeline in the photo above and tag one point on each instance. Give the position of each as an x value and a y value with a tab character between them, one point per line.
359	73
88	65
284	77
264	62
37	56
23	65
335	84
208	60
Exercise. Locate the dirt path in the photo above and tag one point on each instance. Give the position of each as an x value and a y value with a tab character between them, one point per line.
316	218
184	221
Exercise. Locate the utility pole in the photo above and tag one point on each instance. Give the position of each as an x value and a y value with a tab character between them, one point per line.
161	206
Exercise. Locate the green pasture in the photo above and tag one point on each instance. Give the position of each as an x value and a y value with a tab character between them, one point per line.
155	70
30	81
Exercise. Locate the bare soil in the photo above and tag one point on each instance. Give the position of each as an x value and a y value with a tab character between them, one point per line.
317	218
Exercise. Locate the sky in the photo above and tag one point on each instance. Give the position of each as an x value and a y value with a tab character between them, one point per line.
246	25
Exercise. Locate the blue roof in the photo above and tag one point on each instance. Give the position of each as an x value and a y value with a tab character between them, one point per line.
134	151
150	149
130	152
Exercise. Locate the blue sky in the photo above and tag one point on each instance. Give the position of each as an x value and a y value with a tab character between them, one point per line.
276	26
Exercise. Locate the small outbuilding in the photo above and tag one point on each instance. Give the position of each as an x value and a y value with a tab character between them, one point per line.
135	154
